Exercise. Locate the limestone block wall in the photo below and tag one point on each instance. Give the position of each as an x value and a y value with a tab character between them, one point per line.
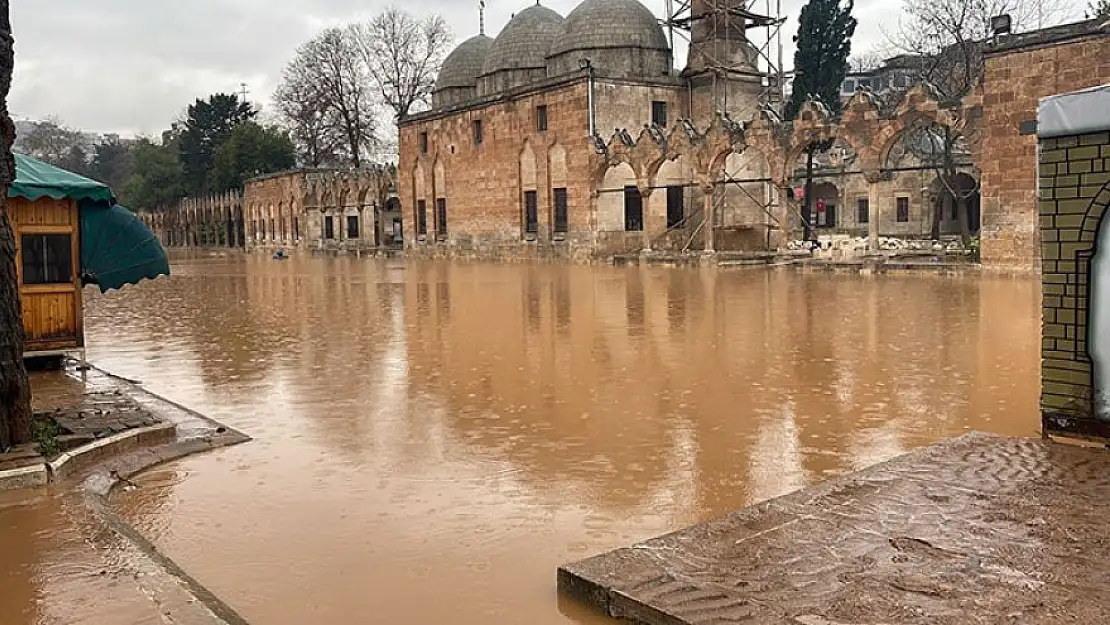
1017	74
484	184
1074	194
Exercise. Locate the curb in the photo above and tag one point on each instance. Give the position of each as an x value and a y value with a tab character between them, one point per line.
24	477
87	456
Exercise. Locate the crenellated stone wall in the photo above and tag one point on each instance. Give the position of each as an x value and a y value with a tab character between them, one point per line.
211	221
291	210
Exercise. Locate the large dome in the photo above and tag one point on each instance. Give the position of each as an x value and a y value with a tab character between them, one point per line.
462	67
525	40
599	24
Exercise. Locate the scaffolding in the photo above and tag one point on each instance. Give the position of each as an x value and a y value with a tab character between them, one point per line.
718	21
716	30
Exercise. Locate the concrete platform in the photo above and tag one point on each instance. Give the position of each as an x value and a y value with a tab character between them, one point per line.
981	529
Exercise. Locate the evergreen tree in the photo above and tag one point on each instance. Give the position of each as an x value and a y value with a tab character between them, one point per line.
208	125
156	180
824	40
251	150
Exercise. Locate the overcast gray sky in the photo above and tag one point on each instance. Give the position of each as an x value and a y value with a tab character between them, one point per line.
131	66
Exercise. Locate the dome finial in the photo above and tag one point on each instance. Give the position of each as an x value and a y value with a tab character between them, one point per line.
481	17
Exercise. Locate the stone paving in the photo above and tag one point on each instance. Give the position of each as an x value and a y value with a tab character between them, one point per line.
106	564
981	529
86	411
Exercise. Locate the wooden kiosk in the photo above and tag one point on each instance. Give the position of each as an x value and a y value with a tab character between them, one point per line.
47	254
69	232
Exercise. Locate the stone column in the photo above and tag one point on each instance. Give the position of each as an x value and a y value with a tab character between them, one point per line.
873	200
781	211
707	211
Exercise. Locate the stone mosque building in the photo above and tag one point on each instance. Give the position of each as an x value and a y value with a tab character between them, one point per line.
510	161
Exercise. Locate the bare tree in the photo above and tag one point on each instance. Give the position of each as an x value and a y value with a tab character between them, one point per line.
949	35
15	390
866	61
51	141
331	81
314	127
403	56
946	39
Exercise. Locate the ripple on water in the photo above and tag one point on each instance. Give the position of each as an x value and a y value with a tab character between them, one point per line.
472	426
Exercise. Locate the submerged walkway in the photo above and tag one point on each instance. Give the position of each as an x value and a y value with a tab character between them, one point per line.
981	529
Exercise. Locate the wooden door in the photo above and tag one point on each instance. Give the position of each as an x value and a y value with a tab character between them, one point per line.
48	264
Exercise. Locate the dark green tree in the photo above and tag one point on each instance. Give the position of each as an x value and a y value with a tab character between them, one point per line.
1099	8
824	40
112	163
76	160
157	180
251	150
208	124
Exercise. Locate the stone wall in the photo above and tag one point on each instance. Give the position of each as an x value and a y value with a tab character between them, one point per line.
211	221
919	188
291	210
1074	194
483	185
1019	70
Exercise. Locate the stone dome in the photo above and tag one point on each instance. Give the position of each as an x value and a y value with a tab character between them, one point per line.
600	24
525	40
462	67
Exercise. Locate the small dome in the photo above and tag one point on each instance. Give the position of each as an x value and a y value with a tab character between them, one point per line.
597	24
462	67
525	40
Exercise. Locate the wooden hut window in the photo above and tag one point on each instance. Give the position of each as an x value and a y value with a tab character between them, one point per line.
47	259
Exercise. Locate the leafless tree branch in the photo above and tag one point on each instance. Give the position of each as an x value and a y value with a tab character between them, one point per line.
403	56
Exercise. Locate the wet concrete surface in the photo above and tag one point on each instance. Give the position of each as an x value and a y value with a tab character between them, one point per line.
53	570
433	440
979	530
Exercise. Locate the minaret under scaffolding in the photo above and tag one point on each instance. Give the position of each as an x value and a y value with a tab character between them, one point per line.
724	66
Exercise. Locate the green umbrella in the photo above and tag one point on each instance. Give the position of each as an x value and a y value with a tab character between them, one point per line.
117	248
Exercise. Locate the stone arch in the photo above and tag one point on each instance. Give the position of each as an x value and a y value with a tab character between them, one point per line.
672	176
439	179
891	131
528	168
610	200
1093	262
557	165
827	205
959	198
419	182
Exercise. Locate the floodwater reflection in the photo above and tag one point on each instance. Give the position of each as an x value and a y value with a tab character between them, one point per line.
433	439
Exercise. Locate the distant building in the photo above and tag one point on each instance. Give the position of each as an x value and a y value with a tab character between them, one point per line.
896	73
506	162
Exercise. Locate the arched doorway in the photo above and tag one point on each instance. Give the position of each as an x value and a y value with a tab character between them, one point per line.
1098	332
393	235
826	206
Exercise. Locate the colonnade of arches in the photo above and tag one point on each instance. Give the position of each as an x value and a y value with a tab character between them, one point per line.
751	169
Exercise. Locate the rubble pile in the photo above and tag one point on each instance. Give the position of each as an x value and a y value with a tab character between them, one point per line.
886	244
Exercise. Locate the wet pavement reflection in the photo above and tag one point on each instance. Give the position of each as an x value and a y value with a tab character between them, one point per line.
432	440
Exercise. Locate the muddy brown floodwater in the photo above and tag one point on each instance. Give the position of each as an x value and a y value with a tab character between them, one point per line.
432	440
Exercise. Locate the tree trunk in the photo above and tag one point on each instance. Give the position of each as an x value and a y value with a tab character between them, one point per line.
938	213
807	211
15	391
962	218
